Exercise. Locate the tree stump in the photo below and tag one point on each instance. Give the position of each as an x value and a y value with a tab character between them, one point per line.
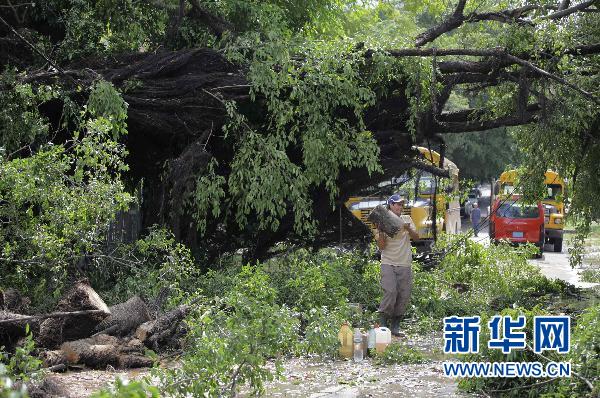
385	220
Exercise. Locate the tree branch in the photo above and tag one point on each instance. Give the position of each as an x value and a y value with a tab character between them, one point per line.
34	48
568	11
215	23
469	120
507	16
449	24
498	53
551	76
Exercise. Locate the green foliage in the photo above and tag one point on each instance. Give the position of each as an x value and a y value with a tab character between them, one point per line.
61	199
482	156
320	332
307	282
397	353
591	275
473	278
22	365
315	286
585	350
105	27
232	339
303	102
126	389
21	123
7	386
144	268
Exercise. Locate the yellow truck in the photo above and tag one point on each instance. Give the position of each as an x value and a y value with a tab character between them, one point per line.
420	189
553	202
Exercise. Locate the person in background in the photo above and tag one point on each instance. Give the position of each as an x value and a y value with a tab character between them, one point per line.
475	217
396	267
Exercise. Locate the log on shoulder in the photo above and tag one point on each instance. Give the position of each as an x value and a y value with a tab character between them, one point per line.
386	221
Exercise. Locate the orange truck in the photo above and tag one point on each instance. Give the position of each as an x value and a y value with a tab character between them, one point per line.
552	202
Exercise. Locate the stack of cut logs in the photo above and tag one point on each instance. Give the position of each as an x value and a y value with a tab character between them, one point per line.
83	330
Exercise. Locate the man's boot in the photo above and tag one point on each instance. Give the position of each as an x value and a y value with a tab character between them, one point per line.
395	326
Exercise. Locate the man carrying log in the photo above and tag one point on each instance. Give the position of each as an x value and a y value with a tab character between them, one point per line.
396	265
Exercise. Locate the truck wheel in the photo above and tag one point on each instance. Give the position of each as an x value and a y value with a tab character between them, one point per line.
558	245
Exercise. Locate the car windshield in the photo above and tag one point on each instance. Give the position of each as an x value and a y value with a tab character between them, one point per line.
553	190
367	204
517	210
508	188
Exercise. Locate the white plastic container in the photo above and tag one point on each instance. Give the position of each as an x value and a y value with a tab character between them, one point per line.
383	337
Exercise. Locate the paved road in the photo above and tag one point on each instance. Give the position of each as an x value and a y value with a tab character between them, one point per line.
556	265
553	265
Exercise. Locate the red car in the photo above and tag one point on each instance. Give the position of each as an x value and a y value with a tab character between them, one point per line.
516	222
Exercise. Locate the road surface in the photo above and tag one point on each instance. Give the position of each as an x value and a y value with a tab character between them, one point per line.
553	265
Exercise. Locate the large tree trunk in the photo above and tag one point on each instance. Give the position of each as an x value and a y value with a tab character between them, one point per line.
81	296
125	317
102	350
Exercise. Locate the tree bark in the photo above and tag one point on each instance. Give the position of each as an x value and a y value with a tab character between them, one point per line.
385	220
81	296
156	332
102	350
124	317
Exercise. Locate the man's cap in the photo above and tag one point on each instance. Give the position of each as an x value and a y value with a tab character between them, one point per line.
396	199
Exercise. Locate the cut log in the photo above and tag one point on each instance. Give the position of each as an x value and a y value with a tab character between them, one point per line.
144	330
54	331
385	220
154	333
125	317
102	350
95	352
134	361
53	358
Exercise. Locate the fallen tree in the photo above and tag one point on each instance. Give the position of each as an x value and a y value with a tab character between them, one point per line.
66	337
207	133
